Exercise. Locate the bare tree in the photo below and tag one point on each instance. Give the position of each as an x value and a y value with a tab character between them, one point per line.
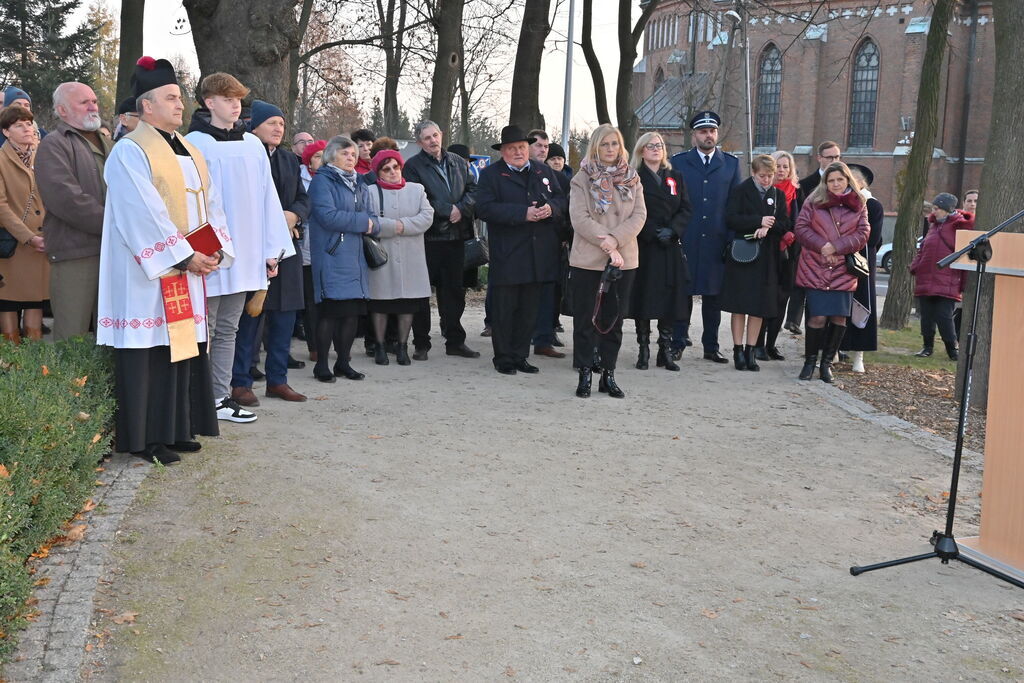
525	109
447	22
900	296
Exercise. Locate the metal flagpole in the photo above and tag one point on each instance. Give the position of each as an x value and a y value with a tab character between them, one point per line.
567	97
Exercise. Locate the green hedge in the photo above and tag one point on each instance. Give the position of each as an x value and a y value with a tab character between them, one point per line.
56	413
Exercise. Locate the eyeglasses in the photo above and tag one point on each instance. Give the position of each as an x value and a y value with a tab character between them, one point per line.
836	157
654	146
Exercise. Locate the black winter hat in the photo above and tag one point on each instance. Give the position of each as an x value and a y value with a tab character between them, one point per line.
555	150
459	150
151	74
945	201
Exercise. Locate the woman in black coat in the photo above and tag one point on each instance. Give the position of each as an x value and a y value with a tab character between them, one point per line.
750	291
856	339
659	291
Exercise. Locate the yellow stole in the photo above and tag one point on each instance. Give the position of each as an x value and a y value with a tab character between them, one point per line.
169	182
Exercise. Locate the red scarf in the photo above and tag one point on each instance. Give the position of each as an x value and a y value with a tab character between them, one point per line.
849	199
362	165
390	186
788	188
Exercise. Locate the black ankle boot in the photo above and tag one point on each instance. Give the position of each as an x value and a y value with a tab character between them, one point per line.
927	349
665	359
812	344
608	386
759	354
643	358
380	355
750	352
833	338
952	351
586	378
402	355
739	359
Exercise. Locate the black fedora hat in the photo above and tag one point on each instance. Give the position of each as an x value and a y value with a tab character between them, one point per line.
869	177
510	134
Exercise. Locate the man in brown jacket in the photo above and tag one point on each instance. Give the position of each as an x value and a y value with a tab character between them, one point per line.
69	171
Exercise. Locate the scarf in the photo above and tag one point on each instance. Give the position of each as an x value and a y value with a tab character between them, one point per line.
24	154
347	177
788	188
849	199
390	186
603	179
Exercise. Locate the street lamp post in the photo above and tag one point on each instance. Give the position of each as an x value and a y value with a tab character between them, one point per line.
567	96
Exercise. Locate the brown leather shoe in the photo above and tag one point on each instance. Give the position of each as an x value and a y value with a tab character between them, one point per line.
244	396
549	351
285	392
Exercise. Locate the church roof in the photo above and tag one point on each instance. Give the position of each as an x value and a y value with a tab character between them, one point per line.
672	102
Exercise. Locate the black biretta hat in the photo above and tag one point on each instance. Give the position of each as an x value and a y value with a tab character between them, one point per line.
510	134
150	74
127	106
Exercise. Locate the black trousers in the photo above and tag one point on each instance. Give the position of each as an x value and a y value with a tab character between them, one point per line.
586	339
937	311
795	312
445	263
513	317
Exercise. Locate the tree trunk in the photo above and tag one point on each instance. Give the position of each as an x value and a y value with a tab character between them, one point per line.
593	63
463	97
132	13
1002	195
900	296
629	36
448	25
251	39
295	61
525	109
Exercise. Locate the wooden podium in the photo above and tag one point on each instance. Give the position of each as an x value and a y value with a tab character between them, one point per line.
1001	540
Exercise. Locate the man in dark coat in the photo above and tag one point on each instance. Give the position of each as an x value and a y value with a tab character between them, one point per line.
284	296
828	152
450	190
710	174
523	204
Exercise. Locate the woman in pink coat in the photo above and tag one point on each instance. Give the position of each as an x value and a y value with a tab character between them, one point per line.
832	224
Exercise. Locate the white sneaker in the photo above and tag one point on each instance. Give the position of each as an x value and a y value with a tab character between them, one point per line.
228	409
858	361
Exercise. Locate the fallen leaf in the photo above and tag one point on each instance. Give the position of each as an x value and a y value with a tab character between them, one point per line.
46	371
82	417
457	636
80	382
96	438
125	618
639	565
443	615
510	672
88	647
42	582
387	662
4	474
374	436
709	613
75	533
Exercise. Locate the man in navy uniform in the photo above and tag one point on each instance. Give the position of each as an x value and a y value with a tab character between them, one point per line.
710	174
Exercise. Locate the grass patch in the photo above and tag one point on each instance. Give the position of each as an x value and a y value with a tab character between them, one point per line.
897	347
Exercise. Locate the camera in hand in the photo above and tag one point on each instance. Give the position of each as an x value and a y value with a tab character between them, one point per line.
611	274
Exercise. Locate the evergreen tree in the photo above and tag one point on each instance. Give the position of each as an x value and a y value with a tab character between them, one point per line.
103	77
377	118
38	52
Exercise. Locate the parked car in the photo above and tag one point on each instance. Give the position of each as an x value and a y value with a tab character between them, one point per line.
883	259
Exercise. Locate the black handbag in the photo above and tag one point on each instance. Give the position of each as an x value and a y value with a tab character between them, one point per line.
8	243
742	250
374	252
857	264
476	252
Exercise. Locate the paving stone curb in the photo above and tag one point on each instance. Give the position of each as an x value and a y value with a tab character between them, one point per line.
52	648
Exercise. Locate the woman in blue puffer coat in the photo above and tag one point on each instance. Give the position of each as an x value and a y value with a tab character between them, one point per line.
340	216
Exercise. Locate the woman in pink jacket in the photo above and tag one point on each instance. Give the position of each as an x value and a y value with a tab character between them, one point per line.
832	224
938	289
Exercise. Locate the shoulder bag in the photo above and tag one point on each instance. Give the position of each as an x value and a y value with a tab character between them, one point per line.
476	252
746	250
375	254
8	242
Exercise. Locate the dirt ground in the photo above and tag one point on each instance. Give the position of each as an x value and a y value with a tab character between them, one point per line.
444	522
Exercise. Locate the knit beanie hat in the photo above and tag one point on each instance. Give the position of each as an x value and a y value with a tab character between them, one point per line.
261	111
945	201
555	150
12	93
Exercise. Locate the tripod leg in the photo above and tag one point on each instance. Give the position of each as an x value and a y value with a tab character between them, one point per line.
989	570
857	571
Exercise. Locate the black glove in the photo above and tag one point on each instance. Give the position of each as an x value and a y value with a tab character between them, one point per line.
666	236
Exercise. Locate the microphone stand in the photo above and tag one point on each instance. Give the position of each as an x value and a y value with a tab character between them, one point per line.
978	250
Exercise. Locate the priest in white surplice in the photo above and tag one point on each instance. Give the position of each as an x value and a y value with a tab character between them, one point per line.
152	299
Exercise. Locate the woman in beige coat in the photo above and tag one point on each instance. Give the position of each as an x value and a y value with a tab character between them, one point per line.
402	285
606	205
26	274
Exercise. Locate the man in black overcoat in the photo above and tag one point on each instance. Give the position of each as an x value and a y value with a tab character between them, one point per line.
523	204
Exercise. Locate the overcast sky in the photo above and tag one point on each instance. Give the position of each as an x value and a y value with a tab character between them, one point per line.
162	38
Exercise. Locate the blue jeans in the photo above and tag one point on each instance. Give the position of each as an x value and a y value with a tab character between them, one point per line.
712	317
544	330
279	326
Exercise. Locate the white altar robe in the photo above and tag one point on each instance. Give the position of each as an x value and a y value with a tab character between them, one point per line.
241	171
140	244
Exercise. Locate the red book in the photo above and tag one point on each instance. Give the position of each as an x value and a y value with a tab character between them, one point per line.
204	240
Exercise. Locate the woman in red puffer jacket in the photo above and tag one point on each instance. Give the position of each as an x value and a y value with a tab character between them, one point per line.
832	224
938	289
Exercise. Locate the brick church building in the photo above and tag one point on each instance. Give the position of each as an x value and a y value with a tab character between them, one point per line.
843	70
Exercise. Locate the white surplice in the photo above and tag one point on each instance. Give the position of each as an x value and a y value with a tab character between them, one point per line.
140	244
241	171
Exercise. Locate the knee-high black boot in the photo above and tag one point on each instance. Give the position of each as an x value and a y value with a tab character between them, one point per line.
812	344
643	340
665	359
830	346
